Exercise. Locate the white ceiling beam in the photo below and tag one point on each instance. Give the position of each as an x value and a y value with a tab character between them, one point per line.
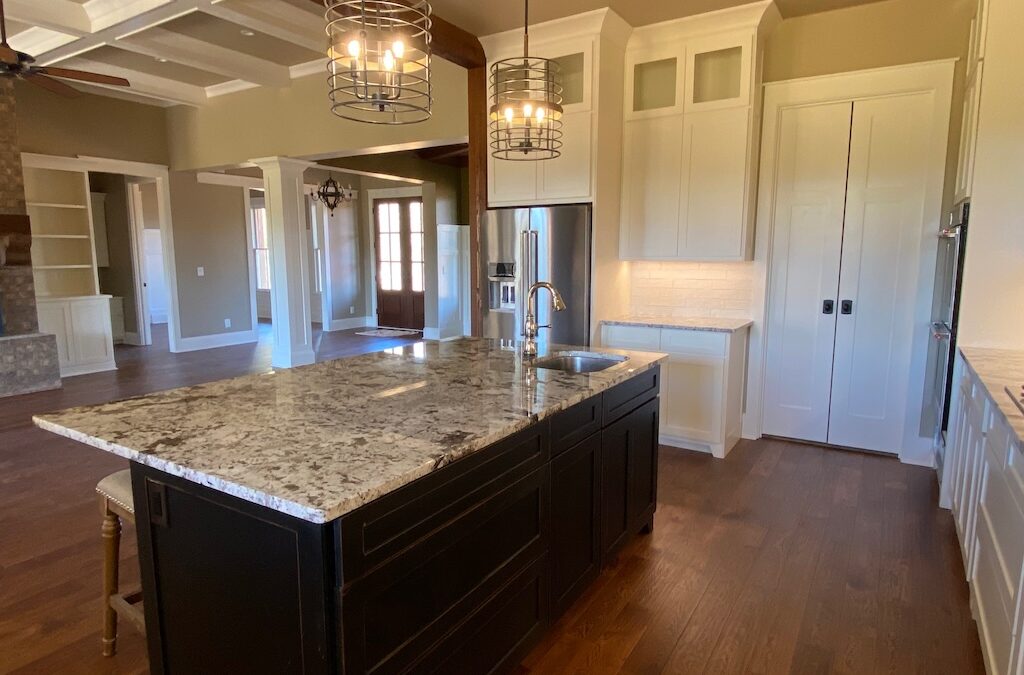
162	14
36	40
273	17
143	84
188	51
59	15
106	13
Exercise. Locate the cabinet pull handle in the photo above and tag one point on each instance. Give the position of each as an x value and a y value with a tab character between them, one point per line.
846	307
828	307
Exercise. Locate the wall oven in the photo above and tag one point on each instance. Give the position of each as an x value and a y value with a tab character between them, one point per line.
949	276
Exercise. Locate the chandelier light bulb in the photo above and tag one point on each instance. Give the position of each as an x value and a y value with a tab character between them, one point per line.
353	49
389	60
527	110
398	49
509	114
540	114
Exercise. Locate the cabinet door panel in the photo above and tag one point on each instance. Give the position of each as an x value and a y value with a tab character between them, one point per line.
650	200
643	463
568	176
90	324
718	71
511	183
53	319
882	235
629	458
714	178
575	537
692	398
806	248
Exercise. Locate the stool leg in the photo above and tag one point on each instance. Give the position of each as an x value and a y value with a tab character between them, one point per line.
111	534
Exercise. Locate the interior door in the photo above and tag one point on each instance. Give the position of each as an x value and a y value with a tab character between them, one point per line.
156	287
398	233
880	263
806	252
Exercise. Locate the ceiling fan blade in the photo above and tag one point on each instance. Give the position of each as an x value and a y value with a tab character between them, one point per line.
53	85
8	55
84	76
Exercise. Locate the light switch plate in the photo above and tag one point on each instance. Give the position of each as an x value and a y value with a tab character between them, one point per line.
227	323
200	271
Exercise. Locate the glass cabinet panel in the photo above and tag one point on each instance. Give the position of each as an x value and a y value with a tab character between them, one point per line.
717	75
572	69
654	84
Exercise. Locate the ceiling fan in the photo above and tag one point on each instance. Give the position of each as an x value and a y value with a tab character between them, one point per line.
19	64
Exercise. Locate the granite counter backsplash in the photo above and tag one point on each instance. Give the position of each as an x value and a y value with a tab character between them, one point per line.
319	441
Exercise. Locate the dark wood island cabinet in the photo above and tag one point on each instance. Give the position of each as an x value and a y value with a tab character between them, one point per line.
460	571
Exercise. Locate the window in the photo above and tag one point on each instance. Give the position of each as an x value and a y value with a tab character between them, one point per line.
261	248
389	235
416	244
317	268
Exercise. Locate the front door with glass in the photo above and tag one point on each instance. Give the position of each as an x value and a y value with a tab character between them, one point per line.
398	238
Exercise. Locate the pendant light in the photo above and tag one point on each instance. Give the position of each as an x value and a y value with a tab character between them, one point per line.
380	60
526	105
332	194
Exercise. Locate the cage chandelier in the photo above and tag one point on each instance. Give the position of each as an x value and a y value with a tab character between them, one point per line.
526	105
379	70
332	195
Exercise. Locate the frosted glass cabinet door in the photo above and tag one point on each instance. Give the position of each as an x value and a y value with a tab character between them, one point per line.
652	153
718	71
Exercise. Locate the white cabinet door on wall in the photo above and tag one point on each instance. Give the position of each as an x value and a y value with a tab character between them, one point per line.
714	184
653	149
84	334
718	71
569	176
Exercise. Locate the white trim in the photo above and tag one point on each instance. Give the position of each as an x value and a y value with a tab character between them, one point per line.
371	267
240	337
432	333
135	236
348	324
131	338
283	21
935	77
87	368
229	179
250	255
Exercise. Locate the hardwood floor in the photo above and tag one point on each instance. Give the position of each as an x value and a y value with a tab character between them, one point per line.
782	558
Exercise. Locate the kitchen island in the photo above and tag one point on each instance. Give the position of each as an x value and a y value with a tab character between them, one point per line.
432	508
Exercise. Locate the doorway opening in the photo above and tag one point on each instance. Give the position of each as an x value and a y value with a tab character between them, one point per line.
400	262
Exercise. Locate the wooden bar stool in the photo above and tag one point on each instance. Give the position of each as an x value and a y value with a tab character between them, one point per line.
116	503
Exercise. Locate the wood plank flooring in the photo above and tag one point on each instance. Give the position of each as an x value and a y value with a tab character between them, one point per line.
782	558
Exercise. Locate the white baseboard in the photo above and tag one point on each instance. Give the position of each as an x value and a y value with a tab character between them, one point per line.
431	333
86	368
346	324
238	337
452	338
158	317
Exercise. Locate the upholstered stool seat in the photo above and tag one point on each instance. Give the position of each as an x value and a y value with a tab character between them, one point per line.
116	503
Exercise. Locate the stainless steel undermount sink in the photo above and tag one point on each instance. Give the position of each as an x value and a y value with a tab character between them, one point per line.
578	362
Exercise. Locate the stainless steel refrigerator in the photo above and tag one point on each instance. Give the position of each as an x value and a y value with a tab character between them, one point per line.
522	245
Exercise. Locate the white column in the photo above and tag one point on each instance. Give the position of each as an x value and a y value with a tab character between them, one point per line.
289	261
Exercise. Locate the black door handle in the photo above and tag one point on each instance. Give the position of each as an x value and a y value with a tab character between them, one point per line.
828	307
846	307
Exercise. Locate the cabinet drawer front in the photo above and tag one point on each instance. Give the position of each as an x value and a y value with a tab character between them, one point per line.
1003	523
632	337
994	620
571	426
398	611
631	394
695	342
387	526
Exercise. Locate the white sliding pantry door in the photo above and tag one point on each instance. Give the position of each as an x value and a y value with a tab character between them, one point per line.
849	211
808	241
885	201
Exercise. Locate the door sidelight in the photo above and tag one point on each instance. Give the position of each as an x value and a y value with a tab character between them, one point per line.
846	307
828	307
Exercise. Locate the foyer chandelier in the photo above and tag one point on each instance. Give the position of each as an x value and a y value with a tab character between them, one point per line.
526	105
379	60
332	195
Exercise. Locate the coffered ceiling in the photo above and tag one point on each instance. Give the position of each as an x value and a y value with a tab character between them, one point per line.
188	51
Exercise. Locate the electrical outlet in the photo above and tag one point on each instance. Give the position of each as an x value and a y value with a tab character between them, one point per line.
200	271
352	309
227	323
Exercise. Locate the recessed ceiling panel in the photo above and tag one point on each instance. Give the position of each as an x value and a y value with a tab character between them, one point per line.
151	66
232	36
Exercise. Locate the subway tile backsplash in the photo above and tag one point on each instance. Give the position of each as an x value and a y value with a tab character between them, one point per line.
692	289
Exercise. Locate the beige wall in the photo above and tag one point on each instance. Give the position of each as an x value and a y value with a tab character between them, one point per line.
209	231
91	125
992	310
118	279
297	122
868	36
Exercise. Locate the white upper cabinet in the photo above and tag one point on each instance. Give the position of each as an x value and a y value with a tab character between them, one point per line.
972	102
690	138
569	177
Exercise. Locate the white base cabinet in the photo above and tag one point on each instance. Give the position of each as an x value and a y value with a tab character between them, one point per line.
85	342
986	494
702	383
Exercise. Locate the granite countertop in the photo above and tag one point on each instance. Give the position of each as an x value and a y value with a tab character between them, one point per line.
704	323
999	370
319	441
